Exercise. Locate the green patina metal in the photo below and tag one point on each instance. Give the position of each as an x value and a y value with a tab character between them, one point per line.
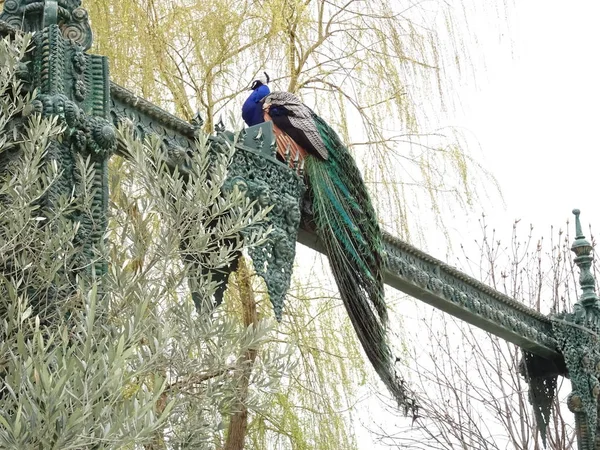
253	168
578	334
271	184
33	16
75	86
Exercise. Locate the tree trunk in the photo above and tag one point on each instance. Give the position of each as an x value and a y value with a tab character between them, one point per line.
238	424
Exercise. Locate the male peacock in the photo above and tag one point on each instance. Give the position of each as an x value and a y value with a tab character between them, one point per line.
346	224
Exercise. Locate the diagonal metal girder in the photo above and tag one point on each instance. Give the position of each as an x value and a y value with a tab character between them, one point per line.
432	281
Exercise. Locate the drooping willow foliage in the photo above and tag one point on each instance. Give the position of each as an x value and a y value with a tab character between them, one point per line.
376	70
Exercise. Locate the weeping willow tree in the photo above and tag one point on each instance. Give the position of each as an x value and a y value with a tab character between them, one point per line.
375	70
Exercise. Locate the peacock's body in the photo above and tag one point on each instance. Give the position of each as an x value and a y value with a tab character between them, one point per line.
345	222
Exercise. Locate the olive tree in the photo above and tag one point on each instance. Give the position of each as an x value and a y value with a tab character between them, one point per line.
121	360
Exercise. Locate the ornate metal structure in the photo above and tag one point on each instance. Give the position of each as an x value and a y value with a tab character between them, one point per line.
254	169
75	86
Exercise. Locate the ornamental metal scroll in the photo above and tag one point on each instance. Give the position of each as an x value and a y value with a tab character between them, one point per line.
68	15
581	348
74	87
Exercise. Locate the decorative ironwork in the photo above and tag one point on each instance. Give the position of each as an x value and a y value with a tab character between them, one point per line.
578	335
32	15
541	375
197	122
587	309
271	184
147	119
73	86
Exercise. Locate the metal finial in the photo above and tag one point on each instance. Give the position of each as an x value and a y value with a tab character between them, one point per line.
583	249
259	138
197	121
578	232
273	146
220	126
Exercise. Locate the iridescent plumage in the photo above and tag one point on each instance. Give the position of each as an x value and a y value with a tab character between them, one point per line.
347	226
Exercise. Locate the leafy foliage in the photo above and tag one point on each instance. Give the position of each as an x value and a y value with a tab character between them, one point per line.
121	361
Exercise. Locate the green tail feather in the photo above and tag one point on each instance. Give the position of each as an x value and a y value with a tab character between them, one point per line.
347	225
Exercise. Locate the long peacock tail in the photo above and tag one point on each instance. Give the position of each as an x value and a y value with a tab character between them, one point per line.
347	225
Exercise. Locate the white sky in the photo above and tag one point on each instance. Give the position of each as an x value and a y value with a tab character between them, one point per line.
535	114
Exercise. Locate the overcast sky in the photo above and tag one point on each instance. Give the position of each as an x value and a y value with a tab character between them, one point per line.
535	113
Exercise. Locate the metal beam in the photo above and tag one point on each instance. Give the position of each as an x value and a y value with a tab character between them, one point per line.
432	281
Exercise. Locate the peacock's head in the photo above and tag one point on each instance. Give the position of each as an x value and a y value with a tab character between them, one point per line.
261	79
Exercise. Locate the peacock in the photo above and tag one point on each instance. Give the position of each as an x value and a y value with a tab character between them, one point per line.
345	222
